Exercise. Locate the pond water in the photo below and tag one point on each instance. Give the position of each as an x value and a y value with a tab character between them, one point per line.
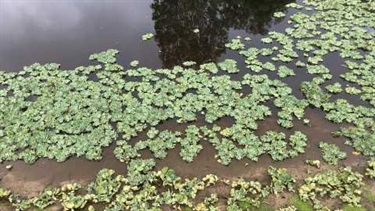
67	32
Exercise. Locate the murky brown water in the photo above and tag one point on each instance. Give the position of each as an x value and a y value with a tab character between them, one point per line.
67	32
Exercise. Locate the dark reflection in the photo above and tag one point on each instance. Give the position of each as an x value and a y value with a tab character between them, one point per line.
175	22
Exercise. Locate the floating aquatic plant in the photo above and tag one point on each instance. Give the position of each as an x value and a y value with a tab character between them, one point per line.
147	36
331	153
344	184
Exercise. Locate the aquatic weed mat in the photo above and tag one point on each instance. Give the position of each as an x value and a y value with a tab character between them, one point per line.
46	112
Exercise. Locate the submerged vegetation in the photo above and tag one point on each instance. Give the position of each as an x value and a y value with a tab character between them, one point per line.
47	112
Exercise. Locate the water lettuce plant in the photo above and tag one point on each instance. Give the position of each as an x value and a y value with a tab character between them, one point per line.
331	153
370	170
279	14
334	88
315	163
147	36
281	180
344	184
235	44
165	189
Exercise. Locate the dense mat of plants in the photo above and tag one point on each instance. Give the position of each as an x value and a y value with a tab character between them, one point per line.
144	189
46	112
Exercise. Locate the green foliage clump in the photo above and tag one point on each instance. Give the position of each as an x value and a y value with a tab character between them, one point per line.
361	138
190	146
315	163
235	44
4	193
288	208
210	67
134	63
352	90
245	194
277	148
266	40
147	36
331	153
370	170
139	171
118	192
341	111
279	14
269	66
67	115
334	88
229	65
105	185
294	5
284	71
314	94
281	180
105	57
189	63
344	184
290	106
46	198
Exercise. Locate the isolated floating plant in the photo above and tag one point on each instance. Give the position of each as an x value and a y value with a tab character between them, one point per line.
331	153
279	14
315	163
334	88
235	44
147	36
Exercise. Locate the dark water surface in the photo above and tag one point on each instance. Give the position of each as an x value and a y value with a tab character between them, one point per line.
67	32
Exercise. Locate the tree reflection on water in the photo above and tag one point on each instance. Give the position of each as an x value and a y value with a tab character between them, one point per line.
176	20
